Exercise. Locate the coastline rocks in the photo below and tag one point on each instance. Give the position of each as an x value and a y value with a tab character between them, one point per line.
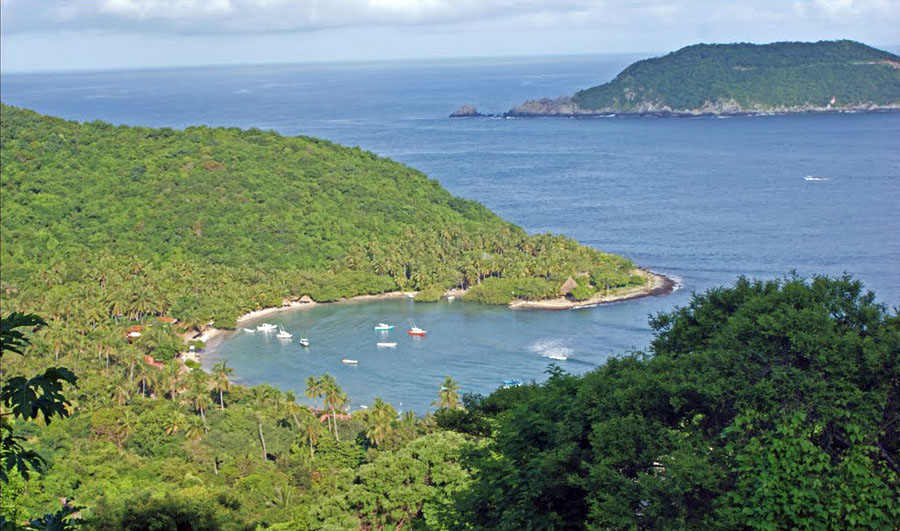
567	108
563	106
466	111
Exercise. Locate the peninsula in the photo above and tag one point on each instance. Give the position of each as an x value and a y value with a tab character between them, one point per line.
208	224
740	79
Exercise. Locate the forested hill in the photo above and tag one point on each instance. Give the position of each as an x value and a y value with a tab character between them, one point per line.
214	222
743	78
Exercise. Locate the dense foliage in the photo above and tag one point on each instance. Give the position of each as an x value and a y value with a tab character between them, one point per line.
769	405
765	405
206	224
753	77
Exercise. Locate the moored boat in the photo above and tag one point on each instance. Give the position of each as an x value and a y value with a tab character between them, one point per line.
304	342
348	361
415	330
284	334
386	345
251	330
382	327
266	327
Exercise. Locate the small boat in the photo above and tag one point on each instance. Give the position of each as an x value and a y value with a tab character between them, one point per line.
415	330
284	334
348	361
384	327
560	357
250	330
386	345
451	297
266	327
304	342
811	178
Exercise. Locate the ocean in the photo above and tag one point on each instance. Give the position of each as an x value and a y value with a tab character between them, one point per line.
703	200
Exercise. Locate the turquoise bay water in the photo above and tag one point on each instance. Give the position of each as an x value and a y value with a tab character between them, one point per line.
703	200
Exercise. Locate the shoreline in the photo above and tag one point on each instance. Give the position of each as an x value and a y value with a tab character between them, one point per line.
661	285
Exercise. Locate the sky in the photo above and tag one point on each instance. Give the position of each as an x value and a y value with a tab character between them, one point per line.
53	35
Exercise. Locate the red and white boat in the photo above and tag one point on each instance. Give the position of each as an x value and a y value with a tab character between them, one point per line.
415	330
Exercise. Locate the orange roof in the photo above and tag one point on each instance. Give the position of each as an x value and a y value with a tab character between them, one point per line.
169	320
134	328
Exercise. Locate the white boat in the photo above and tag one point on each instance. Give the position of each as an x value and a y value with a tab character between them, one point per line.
384	327
284	334
348	361
386	345
811	178
304	342
560	357
451	297
266	327
251	330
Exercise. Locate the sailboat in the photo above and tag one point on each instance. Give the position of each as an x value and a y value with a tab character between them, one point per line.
283	334
415	330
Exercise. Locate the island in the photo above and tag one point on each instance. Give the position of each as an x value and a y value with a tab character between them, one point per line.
740	79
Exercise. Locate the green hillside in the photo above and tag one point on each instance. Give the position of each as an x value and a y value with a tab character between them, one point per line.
749	77
213	222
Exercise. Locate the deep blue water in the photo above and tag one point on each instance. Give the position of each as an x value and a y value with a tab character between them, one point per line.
704	200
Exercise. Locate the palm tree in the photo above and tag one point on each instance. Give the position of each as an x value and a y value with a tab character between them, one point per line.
334	398
313	389
448	397
311	429
381	417
199	385
262	396
220	380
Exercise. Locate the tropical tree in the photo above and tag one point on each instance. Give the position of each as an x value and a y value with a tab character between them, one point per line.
313	388
380	421
448	396
220	373
334	398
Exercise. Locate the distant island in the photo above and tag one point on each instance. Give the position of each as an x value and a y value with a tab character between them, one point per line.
740	79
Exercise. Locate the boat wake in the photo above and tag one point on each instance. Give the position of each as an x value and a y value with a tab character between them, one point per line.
812	178
555	349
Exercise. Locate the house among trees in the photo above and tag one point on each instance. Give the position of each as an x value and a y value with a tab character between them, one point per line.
567	286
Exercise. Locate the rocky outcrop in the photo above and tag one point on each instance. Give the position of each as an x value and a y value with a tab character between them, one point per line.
466	111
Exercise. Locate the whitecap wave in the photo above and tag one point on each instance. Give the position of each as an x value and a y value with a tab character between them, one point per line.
548	347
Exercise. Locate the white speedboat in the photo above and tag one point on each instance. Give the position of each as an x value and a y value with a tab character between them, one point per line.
284	334
266	327
385	345
304	342
250	330
348	361
383	327
560	357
